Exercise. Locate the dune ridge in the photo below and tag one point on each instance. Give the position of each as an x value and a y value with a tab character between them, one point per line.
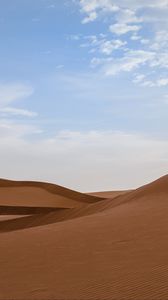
38	216
51	188
114	248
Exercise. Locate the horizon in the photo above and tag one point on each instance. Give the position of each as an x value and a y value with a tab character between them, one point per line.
86	192
84	92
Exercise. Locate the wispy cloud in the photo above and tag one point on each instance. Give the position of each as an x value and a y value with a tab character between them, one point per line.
144	45
90	18
10	92
101	44
7	111
93	8
121	28
142	80
132	60
106	156
11	131
99	6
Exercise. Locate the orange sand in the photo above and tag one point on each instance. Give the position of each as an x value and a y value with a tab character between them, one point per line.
107	248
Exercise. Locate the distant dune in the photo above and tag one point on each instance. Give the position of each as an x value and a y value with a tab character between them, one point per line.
40	194
59	244
109	194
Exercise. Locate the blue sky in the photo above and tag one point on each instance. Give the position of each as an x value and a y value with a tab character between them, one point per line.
84	91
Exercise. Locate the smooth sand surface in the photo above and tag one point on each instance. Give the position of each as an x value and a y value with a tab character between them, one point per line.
109	194
51	188
36	197
10	217
114	249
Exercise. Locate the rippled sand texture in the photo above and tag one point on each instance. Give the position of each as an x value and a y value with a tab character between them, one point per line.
59	244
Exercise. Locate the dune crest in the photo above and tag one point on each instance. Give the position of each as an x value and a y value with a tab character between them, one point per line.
106	248
49	187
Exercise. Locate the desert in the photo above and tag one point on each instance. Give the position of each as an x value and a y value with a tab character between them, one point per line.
113	247
83	149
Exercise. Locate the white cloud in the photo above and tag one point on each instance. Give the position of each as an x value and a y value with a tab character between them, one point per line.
145	41
129	60
74	37
127	16
107	47
17	112
160	46
144	81
11	131
132	60
160	40
135	37
160	61
106	158
92	7
139	78
122	28
148	83
10	92
102	45
91	17
156	3
162	81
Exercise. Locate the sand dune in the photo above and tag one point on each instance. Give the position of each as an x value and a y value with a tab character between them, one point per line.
35	197
51	188
39	194
111	249
109	194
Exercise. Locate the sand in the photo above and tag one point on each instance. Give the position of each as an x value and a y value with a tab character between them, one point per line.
109	194
107	248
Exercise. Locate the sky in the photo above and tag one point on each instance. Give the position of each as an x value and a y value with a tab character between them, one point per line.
84	92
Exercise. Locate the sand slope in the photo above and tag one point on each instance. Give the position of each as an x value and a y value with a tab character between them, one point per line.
111	249
109	194
40	194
